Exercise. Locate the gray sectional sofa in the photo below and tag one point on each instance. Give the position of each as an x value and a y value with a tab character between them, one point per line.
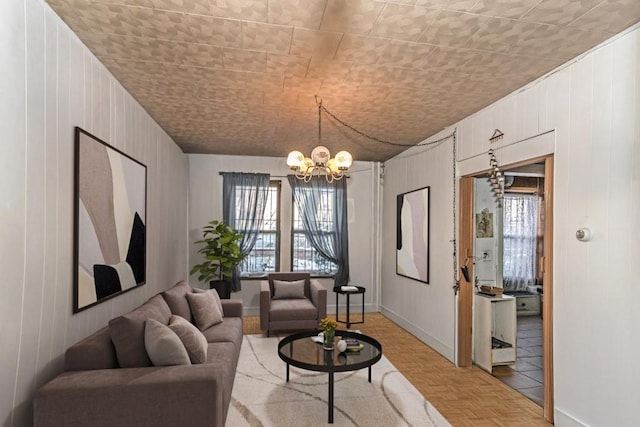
109	379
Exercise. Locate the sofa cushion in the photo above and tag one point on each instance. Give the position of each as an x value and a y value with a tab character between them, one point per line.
225	355
177	301
194	341
206	311
215	294
292	309
228	331
163	346
286	289
93	352
127	332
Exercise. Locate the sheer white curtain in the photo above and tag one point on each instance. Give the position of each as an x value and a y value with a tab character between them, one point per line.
520	234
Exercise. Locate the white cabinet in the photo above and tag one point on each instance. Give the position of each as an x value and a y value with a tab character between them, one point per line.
494	331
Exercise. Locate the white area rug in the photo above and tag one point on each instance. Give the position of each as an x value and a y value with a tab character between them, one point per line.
262	397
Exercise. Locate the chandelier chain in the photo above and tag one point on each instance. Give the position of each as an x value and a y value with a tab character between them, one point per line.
319	122
373	138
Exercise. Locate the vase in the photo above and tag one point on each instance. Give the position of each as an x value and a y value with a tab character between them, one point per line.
328	340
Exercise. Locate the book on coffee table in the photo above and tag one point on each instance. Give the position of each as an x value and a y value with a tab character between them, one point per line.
353	344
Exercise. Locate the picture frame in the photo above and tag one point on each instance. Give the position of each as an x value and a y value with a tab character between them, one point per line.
412	234
110	206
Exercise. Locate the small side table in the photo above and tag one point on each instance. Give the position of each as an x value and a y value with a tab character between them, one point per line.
338	290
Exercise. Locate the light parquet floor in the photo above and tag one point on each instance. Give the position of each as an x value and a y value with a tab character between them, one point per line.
465	396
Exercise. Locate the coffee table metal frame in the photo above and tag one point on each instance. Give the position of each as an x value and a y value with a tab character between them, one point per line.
303	339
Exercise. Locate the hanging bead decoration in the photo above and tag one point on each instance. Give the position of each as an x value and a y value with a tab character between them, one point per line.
496	178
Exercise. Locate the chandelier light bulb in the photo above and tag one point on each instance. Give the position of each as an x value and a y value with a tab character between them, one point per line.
320	155
307	165
331	164
295	159
343	160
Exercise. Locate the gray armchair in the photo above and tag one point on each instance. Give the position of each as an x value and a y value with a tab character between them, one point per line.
294	307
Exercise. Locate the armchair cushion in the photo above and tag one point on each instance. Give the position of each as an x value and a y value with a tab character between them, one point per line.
289	277
278	313
284	289
292	309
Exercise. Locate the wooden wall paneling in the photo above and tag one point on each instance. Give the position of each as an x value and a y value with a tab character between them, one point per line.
531	111
51	197
477	126
465	131
574	289
13	190
35	231
599	186
542	101
105	100
507	122
622	267
62	301
55	82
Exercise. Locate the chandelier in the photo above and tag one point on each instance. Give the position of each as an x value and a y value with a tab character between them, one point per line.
320	162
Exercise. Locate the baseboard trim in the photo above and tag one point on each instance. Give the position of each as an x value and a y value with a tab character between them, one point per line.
421	334
562	419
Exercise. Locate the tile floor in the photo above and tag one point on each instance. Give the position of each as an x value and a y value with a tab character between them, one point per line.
526	375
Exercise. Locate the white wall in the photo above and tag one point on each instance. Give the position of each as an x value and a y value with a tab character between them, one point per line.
588	115
426	310
486	268
50	83
205	205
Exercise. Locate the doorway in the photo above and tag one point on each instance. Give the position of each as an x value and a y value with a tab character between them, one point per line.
467	287
520	249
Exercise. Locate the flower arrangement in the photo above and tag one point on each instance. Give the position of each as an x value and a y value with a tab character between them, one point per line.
329	327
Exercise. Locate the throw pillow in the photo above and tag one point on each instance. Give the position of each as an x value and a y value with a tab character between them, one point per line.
194	342
163	345
176	300
204	309
282	289
127	332
215	294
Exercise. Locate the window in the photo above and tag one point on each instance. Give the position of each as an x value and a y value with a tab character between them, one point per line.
520	216
304	256
265	255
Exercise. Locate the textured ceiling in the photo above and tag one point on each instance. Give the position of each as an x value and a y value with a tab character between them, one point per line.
239	76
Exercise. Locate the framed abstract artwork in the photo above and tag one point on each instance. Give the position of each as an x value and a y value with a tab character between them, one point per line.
412	235
110	222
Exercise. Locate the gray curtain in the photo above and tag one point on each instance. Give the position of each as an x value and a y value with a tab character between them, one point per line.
332	243
244	198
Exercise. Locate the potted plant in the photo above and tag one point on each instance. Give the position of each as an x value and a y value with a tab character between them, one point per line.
222	255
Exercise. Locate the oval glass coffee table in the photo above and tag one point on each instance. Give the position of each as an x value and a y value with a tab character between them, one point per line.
300	351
